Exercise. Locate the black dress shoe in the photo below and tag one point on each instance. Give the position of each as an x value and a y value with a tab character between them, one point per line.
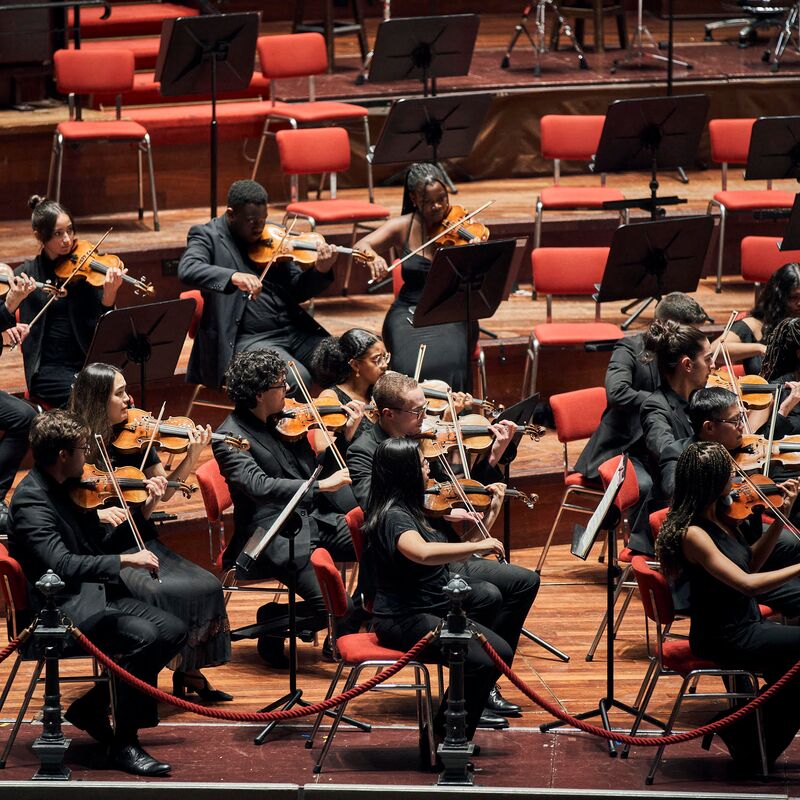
183	684
134	759
492	721
91	720
497	703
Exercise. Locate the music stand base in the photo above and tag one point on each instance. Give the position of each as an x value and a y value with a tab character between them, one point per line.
643	305
545	645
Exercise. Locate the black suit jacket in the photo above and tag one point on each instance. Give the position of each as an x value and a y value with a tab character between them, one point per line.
208	263
359	461
629	383
664	421
47	531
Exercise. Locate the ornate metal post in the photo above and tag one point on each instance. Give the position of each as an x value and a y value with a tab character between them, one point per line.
455	752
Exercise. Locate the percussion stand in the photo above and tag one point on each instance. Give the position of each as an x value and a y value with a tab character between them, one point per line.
641	39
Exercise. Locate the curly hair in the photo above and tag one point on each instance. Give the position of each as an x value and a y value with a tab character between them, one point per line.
45	215
772	302
54	431
243	192
701	474
330	361
782	345
252	372
418	177
668	342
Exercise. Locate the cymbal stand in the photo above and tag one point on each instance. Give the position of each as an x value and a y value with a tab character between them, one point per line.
362	76
538	38
641	39
785	38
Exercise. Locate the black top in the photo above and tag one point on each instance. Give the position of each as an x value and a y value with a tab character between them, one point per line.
403	586
752	365
62	347
363	426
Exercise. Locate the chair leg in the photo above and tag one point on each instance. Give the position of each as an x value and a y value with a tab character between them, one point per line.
52	169
367	154
9	683
537	229
667	730
721	241
153	199
26	701
260	153
602	626
139	189
321	715
349	684
428	709
59	144
549	540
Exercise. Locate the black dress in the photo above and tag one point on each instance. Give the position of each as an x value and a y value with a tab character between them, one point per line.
752	365
447	351
186	590
727	628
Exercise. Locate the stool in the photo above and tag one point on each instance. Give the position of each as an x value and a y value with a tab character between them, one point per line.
597	11
330	28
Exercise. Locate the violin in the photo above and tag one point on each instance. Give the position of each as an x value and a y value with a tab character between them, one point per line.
756	392
744	500
172	434
297	419
440	437
441	497
94	268
96	487
47	288
469	232
753	451
299	247
436	394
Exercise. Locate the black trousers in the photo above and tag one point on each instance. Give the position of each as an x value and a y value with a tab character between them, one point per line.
641	537
142	639
15	419
785	599
480	674
291	345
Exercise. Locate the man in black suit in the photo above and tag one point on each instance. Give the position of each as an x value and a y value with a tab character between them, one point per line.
265	477
49	532
240	312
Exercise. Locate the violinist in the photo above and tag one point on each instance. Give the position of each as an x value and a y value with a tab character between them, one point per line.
57	345
781	364
407	563
425	206
747	339
262	479
241	312
100	399
49	531
698	541
401	407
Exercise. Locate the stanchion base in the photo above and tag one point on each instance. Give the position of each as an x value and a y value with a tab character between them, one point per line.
457	771
51	756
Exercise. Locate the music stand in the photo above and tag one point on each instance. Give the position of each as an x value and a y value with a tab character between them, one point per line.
143	342
648	134
465	284
424	48
791	237
208	54
774	152
650	259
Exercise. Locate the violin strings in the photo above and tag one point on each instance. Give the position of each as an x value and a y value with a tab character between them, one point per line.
726	330
152	437
459	438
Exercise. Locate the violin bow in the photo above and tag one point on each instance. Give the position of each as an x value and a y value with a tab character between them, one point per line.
81	261
152	436
137	537
447	230
459	438
734	387
275	253
315	413
726	330
420	358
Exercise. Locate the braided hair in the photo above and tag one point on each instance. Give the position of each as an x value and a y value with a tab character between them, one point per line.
418	177
702	472
771	306
668	342
782	346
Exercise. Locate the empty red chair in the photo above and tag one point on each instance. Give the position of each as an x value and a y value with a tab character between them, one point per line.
84	72
761	257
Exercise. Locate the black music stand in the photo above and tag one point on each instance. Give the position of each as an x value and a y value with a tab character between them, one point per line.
650	259
774	152
465	284
424	48
143	342
791	236
208	54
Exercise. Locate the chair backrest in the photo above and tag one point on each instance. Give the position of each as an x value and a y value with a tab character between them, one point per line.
89	71
310	151
628	494
397	281
14	588
292	55
577	414
730	143
197	296
570	137
355	524
760	257
655	592
330	582
214	490
568	270
656	521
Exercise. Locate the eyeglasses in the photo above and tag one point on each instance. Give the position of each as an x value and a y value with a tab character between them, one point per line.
283	385
381	358
419	413
87	449
736	420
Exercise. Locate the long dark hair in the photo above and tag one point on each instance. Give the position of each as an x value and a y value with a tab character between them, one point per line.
89	400
702	471
782	346
45	215
668	342
397	482
330	361
418	177
770	308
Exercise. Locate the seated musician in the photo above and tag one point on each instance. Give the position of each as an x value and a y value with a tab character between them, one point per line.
48	531
700	542
407	561
241	311
781	364
264	478
501	592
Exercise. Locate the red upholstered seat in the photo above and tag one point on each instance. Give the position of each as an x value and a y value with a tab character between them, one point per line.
318	111
144	48
129	20
357	647
578	197
765	611
761	257
677	657
752	200
329	212
554	334
111	130
576	479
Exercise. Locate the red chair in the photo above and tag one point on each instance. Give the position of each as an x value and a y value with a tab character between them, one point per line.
359	652
85	72
761	257
571	137
355	522
300	55
674	657
577	415
730	144
571	271
14	591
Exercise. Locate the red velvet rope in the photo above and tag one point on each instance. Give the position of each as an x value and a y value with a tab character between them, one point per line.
244	716
637	741
10	648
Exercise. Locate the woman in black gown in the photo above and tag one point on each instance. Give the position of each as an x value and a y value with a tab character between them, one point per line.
57	344
697	541
100	399
425	205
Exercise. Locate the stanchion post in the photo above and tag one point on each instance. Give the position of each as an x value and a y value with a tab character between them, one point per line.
455	752
49	639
